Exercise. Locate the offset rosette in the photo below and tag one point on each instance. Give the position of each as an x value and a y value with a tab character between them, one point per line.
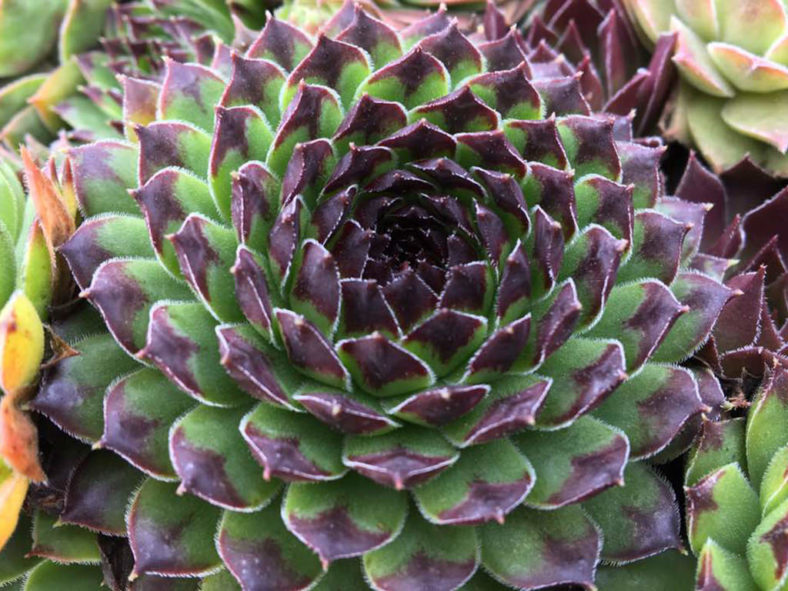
736	494
732	58
600	44
388	297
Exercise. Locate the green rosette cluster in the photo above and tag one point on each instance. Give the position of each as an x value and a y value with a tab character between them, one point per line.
732	56
377	308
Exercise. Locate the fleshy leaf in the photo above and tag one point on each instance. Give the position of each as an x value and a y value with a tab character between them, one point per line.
182	343
535	549
72	391
292	446
344	518
722	506
401	459
424	556
138	412
574	463
652	407
209	457
167	532
638	519
257	547
485	484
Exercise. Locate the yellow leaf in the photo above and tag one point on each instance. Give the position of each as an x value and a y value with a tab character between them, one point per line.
21	343
13	487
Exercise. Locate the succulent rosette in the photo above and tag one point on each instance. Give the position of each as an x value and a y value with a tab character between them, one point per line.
594	39
737	505
381	308
733	61
95	42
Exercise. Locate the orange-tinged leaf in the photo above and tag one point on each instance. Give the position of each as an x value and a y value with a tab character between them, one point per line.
56	220
21	343
13	487
19	441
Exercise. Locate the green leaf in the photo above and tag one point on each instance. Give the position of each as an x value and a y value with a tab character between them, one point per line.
168	532
721	569
62	543
720	443
486	483
535	549
766	549
210	458
722	506
424	556
638	519
50	576
257	547
767	424
574	463
344	518
667	571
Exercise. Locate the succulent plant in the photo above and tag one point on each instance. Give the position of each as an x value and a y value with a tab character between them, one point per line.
733	61
597	41
381	308
98	41
31	228
737	505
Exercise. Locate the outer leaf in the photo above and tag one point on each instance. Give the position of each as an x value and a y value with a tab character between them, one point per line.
722	506
212	462
574	463
639	519
167	532
424	556
344	518
258	549
535	549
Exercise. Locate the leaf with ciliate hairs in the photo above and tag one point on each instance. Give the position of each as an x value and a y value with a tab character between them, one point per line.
401	459
664	572
189	92
103	174
82	380
424	556
124	291
724	507
344	518
535	549
766	431
639	315
638	519
165	201
99	492
721	569
486	483
182	343
292	446
167	532
62	543
210	458
257	547
574	463
138	412
510	406
101	238
766	549
652	407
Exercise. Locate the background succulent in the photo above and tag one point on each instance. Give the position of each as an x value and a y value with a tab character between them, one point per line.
733	63
595	39
75	83
436	302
